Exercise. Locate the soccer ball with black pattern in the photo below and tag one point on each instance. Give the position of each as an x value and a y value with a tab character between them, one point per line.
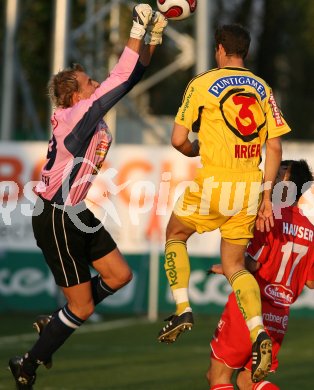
177	9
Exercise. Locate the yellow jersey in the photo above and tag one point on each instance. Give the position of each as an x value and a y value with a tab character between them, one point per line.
234	112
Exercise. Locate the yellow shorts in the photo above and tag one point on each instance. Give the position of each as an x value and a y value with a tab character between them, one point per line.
224	199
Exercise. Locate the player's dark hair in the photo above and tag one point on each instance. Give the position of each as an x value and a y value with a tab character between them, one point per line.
300	174
234	38
62	86
286	163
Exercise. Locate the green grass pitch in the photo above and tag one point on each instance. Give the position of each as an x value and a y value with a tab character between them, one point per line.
124	355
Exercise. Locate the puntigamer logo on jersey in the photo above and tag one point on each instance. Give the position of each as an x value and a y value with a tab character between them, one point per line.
221	84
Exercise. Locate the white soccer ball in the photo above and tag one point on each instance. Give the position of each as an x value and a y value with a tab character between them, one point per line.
177	9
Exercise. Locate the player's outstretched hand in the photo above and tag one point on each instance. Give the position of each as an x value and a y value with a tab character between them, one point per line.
265	217
155	29
215	269
142	14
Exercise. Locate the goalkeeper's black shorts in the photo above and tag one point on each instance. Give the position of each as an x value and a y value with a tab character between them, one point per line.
71	238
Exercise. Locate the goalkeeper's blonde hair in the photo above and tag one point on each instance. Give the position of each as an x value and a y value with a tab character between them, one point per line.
62	85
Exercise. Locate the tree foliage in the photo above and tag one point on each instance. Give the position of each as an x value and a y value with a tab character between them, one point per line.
282	53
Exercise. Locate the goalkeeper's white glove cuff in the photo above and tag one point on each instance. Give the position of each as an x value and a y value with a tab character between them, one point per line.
137	31
142	14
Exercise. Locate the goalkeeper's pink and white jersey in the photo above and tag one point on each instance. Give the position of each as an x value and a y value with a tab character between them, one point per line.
81	139
287	257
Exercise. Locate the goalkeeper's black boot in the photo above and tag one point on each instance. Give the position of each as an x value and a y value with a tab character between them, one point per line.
177	324
261	357
41	322
23	381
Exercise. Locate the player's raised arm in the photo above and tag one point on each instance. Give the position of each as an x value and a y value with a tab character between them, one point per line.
142	14
149	24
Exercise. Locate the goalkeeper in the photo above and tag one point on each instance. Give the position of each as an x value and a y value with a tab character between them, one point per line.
79	144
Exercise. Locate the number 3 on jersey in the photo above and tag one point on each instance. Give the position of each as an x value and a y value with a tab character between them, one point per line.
51	154
242	114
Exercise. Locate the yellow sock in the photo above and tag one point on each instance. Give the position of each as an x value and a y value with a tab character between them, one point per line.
177	266
248	297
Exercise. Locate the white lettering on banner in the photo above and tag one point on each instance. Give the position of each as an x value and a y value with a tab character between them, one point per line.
110	194
26	282
20	231
137	204
29	282
8	202
204	290
122	297
216	288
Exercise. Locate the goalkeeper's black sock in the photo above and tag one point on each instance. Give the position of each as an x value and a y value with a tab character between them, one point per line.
100	289
57	331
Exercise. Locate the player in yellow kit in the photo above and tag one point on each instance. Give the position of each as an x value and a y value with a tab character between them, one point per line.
234	114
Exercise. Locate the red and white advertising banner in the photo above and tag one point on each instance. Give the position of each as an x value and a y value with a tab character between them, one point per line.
133	195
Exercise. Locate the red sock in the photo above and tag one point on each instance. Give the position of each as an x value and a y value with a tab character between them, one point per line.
264	385
227	386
